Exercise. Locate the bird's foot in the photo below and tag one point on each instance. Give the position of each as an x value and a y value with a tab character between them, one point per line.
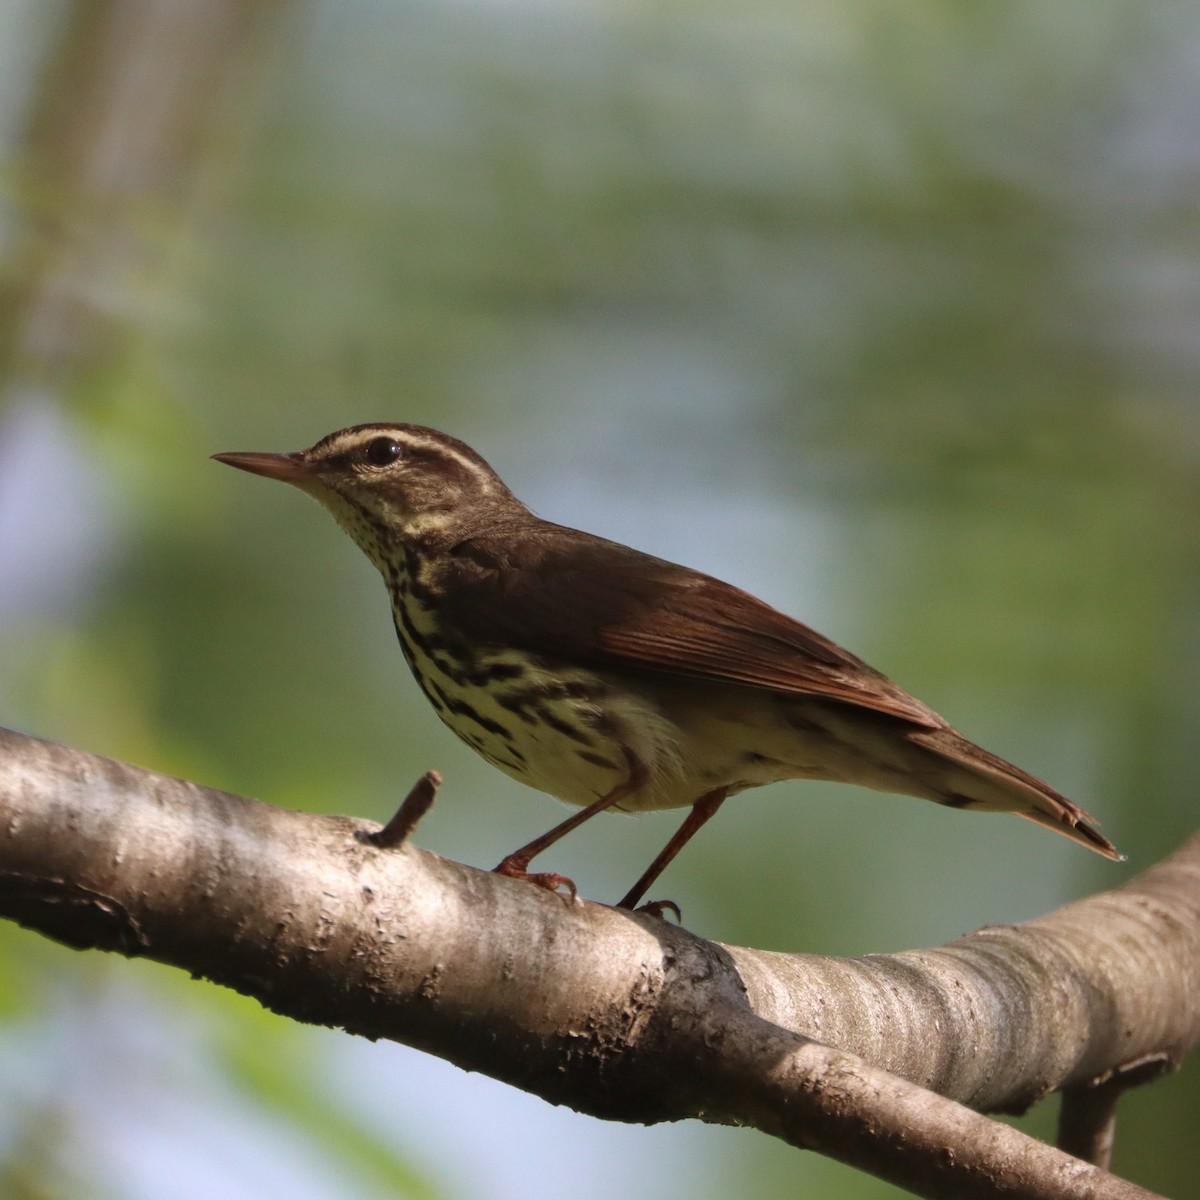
656	908
549	880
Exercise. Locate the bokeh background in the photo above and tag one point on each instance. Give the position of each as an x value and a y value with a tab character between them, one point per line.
888	313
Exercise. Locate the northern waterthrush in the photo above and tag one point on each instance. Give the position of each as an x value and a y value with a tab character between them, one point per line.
613	679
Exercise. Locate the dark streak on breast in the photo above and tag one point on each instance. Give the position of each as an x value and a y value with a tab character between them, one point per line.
549	717
461	708
597	760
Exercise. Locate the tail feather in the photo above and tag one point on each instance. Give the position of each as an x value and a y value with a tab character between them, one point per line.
994	783
1076	827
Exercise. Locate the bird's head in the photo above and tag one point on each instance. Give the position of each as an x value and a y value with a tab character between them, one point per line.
390	485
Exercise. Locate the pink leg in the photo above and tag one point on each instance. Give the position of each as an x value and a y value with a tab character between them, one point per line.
516	863
702	810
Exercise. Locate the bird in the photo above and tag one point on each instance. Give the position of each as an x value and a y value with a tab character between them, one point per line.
613	679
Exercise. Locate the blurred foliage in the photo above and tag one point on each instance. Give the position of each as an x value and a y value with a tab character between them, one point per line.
887	314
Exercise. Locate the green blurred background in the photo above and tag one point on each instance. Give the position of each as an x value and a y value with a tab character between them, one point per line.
888	313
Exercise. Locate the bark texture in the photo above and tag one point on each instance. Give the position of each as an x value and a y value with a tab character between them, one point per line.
619	1015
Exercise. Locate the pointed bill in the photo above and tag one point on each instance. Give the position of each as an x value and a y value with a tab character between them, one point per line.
290	468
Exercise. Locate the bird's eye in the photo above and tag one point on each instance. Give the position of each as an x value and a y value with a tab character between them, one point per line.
381	451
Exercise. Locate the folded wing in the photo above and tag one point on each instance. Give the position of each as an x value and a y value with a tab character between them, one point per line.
597	602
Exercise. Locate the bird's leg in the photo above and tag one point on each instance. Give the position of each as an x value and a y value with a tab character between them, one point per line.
514	866
702	810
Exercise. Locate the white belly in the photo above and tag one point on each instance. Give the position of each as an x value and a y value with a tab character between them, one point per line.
576	733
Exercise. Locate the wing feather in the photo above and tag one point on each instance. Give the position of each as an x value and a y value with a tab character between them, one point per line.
589	600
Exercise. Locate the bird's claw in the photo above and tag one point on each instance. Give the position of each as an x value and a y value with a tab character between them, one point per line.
656	908
550	881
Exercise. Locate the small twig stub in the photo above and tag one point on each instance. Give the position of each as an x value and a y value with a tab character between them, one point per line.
416	804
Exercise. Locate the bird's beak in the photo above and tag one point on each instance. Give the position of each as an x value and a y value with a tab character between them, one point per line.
290	468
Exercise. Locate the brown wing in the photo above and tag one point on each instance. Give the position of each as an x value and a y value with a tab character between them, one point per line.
561	592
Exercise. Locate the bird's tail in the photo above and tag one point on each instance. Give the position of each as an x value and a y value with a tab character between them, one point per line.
981	780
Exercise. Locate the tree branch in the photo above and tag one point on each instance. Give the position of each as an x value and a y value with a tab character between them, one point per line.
616	1014
1087	1117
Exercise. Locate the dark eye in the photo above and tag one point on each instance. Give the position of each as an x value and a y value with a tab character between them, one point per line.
381	451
